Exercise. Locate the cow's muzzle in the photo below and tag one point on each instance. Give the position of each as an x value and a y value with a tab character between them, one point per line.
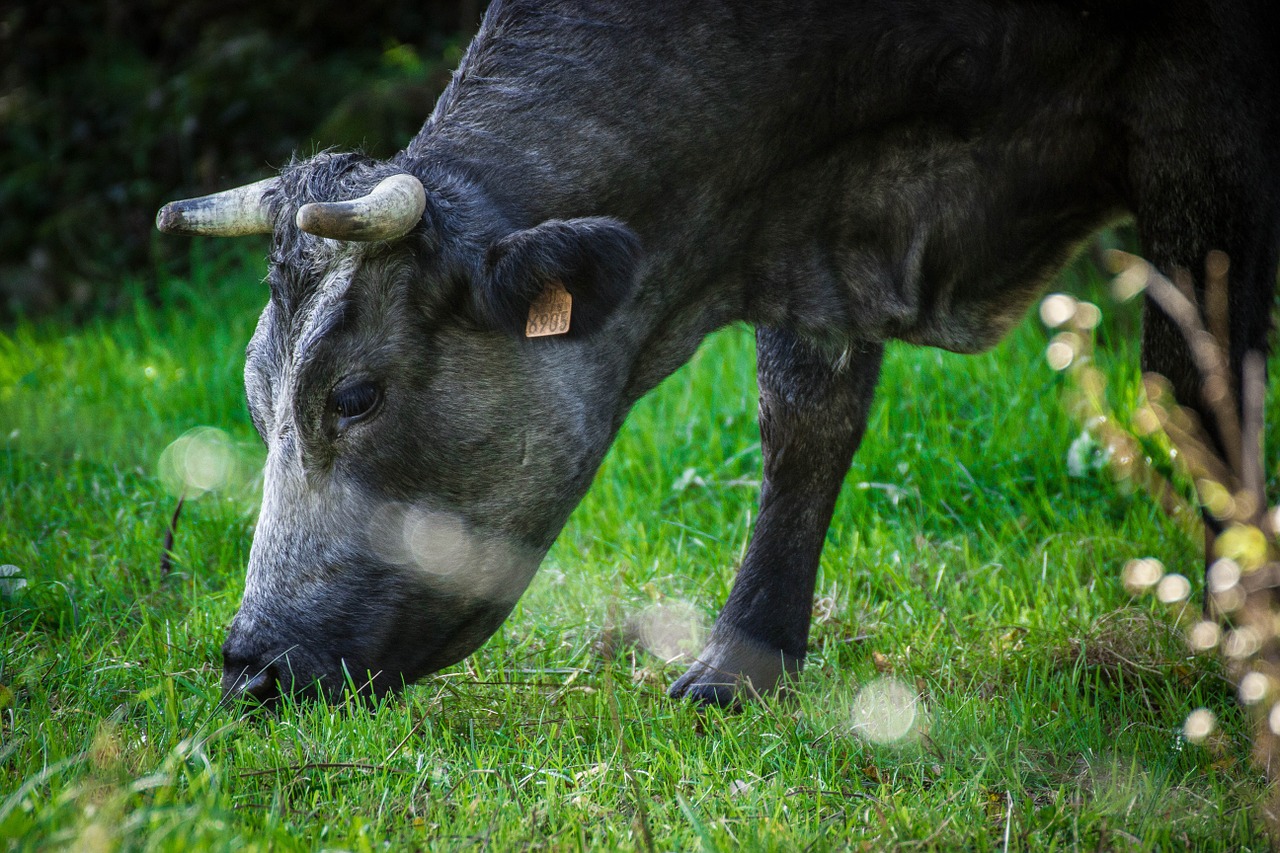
250	677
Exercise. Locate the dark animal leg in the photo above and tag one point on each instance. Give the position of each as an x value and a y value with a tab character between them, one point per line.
813	411
1186	208
1165	350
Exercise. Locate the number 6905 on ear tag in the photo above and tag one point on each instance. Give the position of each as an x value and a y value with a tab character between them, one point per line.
549	313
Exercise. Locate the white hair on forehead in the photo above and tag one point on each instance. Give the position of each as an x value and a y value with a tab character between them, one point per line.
336	276
313	323
332	287
324	253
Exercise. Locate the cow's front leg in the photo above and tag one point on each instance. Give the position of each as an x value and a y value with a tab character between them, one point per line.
813	410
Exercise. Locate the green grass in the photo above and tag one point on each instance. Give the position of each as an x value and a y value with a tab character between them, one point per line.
965	566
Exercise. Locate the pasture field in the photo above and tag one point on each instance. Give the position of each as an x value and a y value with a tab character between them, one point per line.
978	677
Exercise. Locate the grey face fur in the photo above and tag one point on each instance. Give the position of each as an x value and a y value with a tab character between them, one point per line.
837	173
419	465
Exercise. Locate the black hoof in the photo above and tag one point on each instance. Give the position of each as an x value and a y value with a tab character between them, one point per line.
732	670
706	687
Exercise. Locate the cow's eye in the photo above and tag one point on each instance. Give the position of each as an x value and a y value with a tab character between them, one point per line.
356	402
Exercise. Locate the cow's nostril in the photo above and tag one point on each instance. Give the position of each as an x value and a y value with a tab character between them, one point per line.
243	678
264	685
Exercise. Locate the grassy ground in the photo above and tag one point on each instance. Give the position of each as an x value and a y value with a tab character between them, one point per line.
978	677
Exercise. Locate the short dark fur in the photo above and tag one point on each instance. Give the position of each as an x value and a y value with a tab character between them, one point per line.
837	173
593	257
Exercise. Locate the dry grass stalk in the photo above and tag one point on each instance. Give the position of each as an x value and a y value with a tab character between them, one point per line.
1243	582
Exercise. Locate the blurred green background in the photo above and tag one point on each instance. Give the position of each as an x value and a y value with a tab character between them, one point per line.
109	109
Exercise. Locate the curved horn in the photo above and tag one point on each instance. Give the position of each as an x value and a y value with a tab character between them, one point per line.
387	213
231	213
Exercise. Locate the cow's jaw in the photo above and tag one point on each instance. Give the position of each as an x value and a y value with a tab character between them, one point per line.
348	591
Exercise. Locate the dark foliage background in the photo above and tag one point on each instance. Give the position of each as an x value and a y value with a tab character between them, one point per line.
110	108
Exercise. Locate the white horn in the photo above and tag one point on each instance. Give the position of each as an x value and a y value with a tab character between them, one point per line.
231	213
387	213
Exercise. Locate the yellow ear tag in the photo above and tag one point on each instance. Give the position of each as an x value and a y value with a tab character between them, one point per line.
549	313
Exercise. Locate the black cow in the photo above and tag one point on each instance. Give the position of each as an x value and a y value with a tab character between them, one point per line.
837	173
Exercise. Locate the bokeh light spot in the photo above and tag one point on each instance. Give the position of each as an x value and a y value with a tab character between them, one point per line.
1215	498
1131	281
1224	574
1203	636
671	631
437	543
1142	574
1057	309
1062	350
1199	725
1088	315
1173	588
203	459
884	711
1241	643
1254	687
1244	543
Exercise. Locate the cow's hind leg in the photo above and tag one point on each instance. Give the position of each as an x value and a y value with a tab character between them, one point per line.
1177	240
813	410
1223	195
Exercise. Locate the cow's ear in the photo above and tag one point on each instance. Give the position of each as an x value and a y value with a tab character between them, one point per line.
594	258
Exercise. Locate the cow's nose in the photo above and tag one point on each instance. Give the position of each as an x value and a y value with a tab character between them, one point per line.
242	678
263	685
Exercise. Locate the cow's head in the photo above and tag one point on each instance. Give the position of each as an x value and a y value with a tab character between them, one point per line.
422	454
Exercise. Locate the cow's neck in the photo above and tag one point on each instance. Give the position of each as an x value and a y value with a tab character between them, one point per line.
672	130
839	209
